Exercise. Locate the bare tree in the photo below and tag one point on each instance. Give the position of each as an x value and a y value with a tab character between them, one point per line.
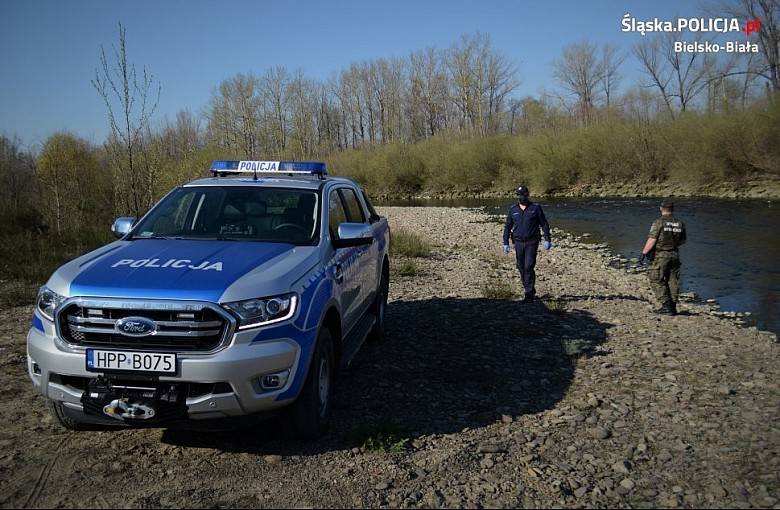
385	82
273	89
480	79
371	89
330	136
183	138
16	174
462	64
131	100
499	82
580	73
349	91
611	59
680	76
427	97
767	34
303	97
178	146
233	114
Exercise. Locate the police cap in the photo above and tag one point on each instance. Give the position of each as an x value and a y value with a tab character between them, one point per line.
522	190
667	204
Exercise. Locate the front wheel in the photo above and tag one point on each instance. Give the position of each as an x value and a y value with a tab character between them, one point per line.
309	416
58	413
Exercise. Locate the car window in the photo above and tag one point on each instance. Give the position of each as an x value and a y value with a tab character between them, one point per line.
337	213
354	211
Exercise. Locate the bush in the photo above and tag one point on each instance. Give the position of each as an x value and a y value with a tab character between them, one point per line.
32	257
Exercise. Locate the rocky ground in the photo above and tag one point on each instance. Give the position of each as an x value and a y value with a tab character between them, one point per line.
582	399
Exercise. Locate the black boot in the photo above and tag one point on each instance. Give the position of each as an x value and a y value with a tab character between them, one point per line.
667	308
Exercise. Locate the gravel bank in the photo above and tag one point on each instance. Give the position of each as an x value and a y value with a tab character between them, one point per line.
581	399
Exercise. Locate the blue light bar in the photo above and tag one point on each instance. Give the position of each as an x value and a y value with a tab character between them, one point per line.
269	167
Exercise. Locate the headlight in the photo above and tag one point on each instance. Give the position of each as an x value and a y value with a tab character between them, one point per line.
47	301
262	311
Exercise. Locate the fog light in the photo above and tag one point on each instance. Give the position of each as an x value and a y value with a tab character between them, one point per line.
274	381
36	368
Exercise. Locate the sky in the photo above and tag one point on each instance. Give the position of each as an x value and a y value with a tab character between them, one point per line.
50	49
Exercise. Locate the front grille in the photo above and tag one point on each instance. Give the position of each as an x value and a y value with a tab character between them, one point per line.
179	326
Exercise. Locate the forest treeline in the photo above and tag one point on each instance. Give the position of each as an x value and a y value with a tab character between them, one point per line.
69	185
446	122
62	202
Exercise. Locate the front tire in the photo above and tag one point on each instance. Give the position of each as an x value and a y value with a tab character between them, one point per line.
309	416
58	413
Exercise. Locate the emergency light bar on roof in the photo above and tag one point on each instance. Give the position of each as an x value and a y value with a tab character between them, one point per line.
269	167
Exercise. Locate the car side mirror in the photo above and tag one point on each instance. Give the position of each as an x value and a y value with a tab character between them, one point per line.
353	234
122	226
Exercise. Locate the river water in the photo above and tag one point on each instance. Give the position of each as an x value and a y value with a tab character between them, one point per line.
732	254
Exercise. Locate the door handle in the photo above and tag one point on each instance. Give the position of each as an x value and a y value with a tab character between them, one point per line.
338	273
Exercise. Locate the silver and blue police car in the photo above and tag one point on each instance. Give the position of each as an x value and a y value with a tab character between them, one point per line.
238	295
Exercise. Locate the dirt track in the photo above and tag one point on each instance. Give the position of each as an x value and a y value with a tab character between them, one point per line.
584	399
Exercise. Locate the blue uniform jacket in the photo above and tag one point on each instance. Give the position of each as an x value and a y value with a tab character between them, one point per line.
523	225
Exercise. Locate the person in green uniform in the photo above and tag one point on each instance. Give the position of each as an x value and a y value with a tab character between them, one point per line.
667	233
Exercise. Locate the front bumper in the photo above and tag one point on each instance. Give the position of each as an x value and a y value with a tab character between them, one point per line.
260	370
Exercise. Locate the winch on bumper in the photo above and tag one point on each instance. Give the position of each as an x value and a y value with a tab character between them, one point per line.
245	377
161	404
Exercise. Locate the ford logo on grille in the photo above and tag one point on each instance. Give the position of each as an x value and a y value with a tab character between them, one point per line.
136	326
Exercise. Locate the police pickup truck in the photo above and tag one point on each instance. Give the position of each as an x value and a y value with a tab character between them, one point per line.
234	296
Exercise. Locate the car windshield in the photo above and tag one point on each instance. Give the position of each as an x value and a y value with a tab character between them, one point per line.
234	213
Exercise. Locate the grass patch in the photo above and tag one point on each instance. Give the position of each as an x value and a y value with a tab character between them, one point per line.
407	268
498	289
409	244
576	346
384	438
557	306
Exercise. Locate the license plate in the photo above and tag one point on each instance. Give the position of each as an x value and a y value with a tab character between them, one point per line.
100	360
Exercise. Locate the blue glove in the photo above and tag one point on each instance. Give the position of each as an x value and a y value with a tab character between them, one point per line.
547	245
506	248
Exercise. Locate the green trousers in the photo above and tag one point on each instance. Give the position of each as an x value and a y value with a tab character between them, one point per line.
664	276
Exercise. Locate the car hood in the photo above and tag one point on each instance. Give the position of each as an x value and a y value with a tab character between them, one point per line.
183	269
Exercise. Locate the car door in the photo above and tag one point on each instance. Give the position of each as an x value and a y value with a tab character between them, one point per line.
346	271
367	255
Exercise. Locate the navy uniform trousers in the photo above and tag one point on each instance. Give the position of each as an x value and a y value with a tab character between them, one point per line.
526	251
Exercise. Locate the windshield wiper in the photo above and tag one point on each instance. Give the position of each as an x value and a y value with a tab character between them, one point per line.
167	238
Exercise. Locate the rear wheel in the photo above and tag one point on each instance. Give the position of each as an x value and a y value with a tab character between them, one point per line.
309	416
379	308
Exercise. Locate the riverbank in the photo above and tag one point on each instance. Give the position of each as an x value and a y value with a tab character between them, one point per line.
583	399
766	188
656	411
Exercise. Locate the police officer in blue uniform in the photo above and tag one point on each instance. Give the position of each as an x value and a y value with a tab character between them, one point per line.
523	225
